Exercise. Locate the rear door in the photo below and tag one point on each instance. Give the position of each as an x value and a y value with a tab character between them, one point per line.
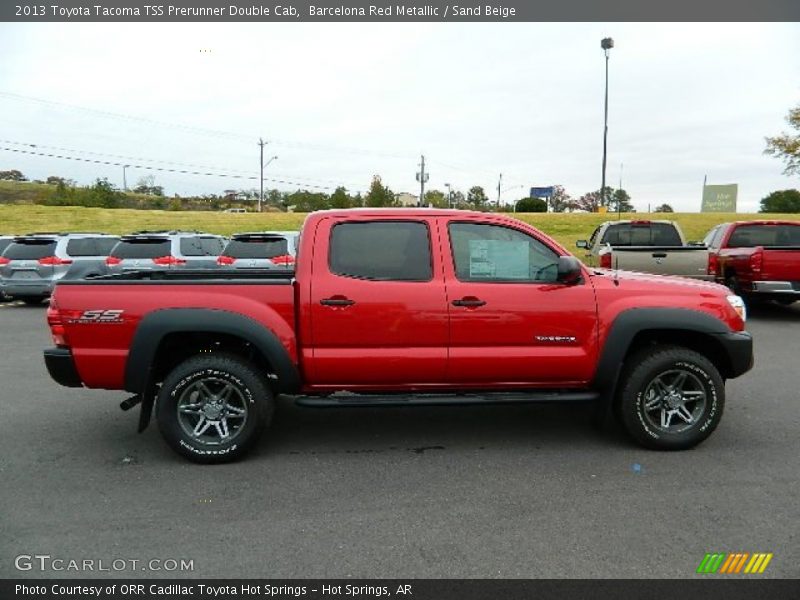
139	253
201	252
510	321
28	261
377	303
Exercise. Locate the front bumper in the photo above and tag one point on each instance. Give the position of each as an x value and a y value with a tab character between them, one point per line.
61	366
738	346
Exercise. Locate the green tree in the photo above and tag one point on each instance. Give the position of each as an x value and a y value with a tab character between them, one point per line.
664	208
305	201
457	199
560	200
477	198
340	198
379	195
531	205
147	185
784	201
436	198
786	146
620	201
13	175
104	194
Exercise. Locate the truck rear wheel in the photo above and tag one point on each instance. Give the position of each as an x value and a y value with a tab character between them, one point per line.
212	408
671	398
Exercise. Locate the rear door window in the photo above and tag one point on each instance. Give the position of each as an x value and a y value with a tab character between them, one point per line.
30	249
642	234
141	248
382	251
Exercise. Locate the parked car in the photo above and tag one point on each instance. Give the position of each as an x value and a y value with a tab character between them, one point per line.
158	250
260	250
235	210
32	264
5	240
758	259
657	247
455	307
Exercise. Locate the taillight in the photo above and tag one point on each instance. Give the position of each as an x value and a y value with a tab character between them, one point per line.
168	261
56	325
713	264
113	260
605	260
757	260
54	261
225	260
4	261
283	259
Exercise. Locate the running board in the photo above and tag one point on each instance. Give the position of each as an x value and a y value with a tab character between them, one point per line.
355	400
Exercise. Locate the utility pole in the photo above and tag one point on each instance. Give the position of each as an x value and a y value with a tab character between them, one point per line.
606	44
261	144
499	183
422	177
124	178
449	195
619	204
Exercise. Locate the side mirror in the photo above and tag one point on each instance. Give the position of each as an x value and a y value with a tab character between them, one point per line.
582	244
569	269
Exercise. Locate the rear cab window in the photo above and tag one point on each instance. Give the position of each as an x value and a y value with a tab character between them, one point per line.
765	234
642	234
499	254
381	251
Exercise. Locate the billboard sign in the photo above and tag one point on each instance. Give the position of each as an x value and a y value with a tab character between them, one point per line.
720	198
542	192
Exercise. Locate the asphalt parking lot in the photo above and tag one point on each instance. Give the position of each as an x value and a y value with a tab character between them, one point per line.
496	492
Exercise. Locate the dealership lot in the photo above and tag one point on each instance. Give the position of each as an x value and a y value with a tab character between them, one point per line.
510	491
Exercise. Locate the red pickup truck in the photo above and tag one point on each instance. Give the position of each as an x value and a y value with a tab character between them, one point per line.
400	307
757	259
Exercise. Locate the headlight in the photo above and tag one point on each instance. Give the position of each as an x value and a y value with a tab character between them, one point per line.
738	305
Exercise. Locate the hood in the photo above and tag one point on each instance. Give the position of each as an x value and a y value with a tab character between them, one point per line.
648	279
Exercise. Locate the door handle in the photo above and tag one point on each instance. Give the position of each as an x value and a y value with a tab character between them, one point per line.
337	301
469	301
659	255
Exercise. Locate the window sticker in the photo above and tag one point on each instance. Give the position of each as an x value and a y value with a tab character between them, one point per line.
499	259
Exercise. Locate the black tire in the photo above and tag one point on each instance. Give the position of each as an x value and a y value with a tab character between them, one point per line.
639	394
249	392
32	300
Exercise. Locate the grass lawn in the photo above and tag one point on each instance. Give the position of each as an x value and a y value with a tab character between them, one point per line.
566	228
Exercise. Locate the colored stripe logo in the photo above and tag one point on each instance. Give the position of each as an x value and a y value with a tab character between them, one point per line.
735	563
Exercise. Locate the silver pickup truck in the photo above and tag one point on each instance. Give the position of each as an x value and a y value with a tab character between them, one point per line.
657	247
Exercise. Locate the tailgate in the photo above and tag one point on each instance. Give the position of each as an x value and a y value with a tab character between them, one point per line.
781	264
686	261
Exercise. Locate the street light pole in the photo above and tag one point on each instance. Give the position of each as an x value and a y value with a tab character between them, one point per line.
449	195
124	178
606	44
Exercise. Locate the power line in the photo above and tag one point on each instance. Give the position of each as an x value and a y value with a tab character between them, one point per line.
220	172
163	169
217	133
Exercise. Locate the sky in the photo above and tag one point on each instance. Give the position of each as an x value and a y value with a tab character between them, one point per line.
341	102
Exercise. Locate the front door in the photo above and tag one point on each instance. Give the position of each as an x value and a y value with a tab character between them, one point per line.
511	321
378	307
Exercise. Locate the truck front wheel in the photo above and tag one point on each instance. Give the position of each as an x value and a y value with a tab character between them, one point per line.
212	408
671	398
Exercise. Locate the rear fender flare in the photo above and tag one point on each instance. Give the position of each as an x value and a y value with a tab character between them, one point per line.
155	326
